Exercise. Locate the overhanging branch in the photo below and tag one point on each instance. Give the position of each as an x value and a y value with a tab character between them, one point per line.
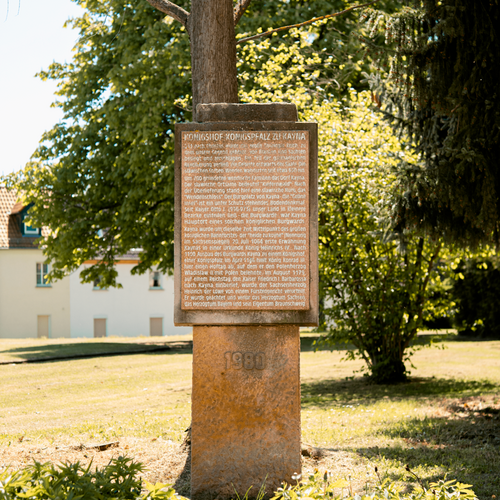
239	9
283	28
172	10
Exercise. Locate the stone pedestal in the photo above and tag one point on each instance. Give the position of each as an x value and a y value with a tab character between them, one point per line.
245	409
246	278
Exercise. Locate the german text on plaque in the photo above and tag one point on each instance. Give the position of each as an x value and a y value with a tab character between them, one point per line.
245	220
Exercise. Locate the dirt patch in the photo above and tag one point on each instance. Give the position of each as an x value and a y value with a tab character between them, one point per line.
165	461
474	419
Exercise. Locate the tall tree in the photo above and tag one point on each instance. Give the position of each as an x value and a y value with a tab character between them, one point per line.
444	93
102	179
375	291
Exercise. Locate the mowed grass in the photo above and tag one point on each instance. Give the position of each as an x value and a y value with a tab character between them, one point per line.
22	350
97	398
443	422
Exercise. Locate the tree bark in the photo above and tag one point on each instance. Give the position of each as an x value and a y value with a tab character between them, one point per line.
169	8
239	9
213	52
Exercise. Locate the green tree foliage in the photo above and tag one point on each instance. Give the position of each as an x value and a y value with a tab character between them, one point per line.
339	51
374	283
443	92
102	179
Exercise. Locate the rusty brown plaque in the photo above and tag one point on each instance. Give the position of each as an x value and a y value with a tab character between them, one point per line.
246	223
245	220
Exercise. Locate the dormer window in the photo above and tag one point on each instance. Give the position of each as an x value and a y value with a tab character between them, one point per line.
26	229
20	212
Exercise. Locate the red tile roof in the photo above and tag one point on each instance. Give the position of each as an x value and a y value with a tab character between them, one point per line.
10	222
18	207
10	226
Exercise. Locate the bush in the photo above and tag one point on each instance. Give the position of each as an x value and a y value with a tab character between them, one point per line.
118	481
320	486
375	284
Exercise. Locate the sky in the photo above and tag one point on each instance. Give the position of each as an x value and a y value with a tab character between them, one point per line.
31	38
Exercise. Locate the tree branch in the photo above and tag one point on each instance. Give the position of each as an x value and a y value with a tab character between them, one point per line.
239	9
172	10
283	28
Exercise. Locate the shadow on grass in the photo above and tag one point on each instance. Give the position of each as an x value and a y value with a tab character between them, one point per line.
324	393
89	349
307	343
159	344
465	445
461	442
466	464
51	352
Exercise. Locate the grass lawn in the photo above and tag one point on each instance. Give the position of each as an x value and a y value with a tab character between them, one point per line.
445	421
23	350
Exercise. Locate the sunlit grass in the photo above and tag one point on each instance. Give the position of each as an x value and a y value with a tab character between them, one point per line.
148	396
139	424
409	424
133	395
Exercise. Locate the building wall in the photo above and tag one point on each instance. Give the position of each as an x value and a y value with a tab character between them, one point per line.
127	310
21	301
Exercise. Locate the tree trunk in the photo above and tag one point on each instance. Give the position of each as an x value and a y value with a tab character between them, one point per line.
213	52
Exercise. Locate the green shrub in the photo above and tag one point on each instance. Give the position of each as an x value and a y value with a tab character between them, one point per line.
375	284
320	486
117	481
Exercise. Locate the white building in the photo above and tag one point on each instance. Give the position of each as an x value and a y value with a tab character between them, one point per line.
31	307
144	306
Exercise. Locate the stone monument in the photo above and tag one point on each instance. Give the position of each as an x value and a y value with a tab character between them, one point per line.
246	278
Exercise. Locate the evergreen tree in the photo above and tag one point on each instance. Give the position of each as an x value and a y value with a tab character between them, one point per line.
443	92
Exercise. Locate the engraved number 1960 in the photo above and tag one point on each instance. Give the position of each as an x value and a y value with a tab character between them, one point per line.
247	360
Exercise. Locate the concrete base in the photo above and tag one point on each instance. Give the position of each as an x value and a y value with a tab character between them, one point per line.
245	410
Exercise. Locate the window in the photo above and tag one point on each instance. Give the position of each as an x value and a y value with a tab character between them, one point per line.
155	280
41	274
28	230
97	284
